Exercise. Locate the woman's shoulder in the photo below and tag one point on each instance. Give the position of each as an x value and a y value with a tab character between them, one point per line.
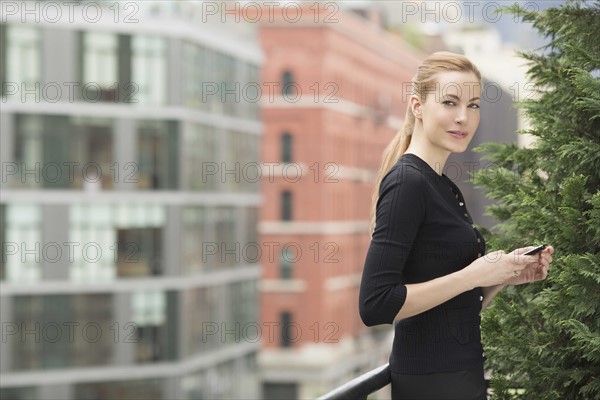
405	186
405	170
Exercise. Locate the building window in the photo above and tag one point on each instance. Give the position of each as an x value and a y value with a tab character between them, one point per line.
158	159
20	60
100	66
200	157
21	236
250	81
50	349
285	264
243	309
106	69
242	156
227	69
255	107
3	74
286	148
288	88
154	318
202	305
131	233
251	226
91	141
193	70
149	69
63	152
226	222
286	206
132	244
285	319
4	241
194	223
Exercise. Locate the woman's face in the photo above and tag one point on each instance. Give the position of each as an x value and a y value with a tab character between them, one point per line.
450	113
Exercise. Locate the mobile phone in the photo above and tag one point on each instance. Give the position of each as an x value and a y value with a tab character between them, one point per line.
535	250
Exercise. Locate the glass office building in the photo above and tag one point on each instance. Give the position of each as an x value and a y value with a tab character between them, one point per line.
118	279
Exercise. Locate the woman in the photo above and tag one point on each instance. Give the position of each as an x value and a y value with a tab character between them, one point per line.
425	266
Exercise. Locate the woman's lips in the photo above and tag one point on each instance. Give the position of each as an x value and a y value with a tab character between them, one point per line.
458	134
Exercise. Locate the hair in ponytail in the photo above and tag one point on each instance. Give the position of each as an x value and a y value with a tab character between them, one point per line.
422	83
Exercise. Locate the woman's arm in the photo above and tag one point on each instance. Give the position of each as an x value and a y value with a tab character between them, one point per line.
421	297
489	293
489	272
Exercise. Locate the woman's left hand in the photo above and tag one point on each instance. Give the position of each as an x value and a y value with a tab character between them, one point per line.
533	272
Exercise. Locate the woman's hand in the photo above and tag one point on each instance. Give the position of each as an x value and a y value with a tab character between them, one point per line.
499	268
535	271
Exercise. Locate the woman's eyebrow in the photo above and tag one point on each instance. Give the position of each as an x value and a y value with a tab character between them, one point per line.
458	98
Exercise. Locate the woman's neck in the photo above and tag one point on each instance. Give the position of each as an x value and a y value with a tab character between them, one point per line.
435	158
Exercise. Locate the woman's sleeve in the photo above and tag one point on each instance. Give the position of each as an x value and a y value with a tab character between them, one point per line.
399	213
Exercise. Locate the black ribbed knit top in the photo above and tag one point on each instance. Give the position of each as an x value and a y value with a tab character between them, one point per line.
423	231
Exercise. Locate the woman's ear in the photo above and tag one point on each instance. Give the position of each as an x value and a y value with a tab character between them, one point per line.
415	105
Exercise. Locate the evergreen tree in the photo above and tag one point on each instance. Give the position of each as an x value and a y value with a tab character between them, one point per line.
544	338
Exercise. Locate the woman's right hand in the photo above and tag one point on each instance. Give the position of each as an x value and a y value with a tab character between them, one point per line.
497	267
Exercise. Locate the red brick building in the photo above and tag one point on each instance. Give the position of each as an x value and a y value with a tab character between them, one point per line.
334	95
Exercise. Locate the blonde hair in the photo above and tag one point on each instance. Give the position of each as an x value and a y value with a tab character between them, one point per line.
422	83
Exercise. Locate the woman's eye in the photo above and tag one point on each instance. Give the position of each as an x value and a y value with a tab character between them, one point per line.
473	105
448	102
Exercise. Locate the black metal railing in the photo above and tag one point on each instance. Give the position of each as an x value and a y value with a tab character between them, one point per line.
359	388
366	384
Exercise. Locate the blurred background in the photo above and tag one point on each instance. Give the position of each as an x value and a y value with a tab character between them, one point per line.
186	185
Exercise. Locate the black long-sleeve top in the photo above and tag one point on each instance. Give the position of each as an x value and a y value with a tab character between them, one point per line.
423	231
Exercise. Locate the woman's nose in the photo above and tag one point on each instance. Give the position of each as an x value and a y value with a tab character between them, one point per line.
461	116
